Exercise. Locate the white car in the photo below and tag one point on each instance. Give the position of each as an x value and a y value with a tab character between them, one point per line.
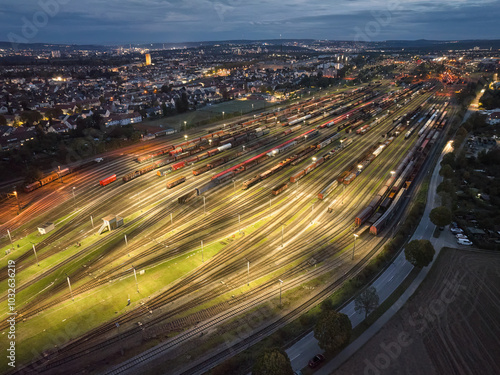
463	241
98	160
462	236
456	230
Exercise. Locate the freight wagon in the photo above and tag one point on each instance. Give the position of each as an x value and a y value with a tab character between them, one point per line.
164	171
187	197
328	189
175	182
107	180
250	182
278	189
201	170
177	166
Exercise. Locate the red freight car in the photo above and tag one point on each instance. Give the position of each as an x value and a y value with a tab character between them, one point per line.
108	180
178	165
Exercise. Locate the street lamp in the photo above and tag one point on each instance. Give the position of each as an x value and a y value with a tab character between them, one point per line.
69	284
17	200
393	173
185	137
36	256
74	198
185	128
223	116
135	275
314	158
354	248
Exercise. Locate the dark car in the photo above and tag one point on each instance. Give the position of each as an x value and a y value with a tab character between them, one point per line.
316	360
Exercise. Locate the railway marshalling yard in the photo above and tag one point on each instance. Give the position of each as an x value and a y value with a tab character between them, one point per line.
176	272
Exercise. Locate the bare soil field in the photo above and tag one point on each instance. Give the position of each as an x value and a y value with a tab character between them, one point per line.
451	325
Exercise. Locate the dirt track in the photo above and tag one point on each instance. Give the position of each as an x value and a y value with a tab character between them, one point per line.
450	326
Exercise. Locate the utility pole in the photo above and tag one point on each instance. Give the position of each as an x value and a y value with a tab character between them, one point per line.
204	207
126	242
69	284
92	221
36	256
74	198
234	185
171	220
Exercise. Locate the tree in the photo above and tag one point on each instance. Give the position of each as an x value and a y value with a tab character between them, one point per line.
419	253
366	301
446	186
449	158
182	103
3	120
164	109
446	171
30	117
332	330
273	361
440	216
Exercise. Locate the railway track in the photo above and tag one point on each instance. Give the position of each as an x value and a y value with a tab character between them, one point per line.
231	269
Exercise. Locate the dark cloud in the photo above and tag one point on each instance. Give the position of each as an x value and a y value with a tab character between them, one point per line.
123	21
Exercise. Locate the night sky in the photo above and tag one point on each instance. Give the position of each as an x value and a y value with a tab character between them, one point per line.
141	21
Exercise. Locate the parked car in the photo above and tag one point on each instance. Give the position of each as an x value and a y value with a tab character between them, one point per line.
462	236
456	230
298	372
463	241
316	360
